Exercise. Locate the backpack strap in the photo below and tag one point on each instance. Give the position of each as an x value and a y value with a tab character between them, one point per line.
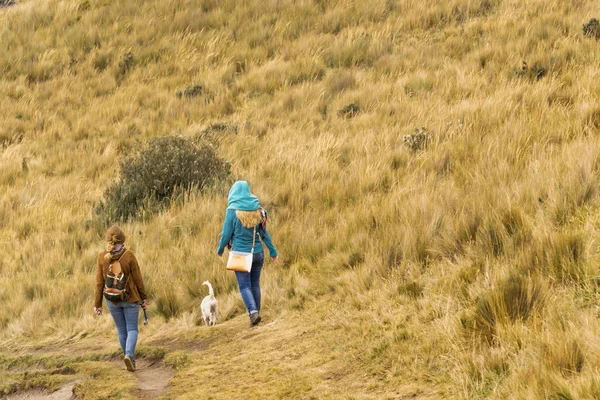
129	274
263	224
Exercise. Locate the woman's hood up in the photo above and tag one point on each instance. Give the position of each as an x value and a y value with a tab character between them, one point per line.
240	198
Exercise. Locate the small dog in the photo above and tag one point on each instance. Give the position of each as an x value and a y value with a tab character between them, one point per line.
209	306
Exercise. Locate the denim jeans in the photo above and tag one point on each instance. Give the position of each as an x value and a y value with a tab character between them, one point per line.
249	283
125	315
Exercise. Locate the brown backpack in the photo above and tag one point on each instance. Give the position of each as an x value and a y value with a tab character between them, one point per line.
115	287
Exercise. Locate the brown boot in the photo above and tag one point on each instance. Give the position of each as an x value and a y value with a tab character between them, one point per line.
254	319
129	363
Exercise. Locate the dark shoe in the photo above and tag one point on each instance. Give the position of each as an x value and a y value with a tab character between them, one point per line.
255	319
129	363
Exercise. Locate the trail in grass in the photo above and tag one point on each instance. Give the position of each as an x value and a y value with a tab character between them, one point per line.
64	393
152	378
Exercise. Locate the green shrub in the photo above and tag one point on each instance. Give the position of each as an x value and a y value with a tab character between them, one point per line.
169	167
349	111
592	28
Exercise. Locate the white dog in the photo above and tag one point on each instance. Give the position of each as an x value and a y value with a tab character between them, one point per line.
210	306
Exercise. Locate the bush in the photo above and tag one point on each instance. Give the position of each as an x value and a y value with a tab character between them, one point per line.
417	141
592	28
216	131
349	111
150	180
125	65
534	72
195	91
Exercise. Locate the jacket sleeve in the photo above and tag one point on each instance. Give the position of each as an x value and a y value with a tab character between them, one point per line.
268	242
227	232
136	275
99	283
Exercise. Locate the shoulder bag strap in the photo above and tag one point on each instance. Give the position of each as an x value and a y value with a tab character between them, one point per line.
253	240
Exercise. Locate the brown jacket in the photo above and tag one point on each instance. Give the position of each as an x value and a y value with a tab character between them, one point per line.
133	275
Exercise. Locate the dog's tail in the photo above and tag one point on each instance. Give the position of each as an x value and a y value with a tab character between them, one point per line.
210	289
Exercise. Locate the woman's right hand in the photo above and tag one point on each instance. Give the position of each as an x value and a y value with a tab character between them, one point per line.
275	259
98	310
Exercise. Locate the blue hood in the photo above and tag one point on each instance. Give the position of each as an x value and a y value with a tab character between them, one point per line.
240	198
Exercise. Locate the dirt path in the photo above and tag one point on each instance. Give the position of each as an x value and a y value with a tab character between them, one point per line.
153	379
152	382
64	393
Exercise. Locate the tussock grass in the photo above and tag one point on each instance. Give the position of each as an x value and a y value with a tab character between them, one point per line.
515	299
407	252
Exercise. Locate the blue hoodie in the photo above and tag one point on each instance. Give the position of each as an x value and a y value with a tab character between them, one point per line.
240	198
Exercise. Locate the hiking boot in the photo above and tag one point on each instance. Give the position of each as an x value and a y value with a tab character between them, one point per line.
129	363
255	319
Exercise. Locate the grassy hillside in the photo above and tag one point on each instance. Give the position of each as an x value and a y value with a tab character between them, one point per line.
430	169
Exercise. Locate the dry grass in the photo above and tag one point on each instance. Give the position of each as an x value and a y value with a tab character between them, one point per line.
395	261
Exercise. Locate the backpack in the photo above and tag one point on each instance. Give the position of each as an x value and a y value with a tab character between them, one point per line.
115	287
264	214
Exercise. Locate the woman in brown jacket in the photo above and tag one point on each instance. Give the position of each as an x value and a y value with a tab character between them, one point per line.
122	263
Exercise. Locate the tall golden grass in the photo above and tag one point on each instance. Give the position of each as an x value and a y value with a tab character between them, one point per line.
467	269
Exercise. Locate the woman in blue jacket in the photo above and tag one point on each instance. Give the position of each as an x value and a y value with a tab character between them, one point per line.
242	216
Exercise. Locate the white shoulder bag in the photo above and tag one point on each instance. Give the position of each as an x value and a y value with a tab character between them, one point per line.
241	261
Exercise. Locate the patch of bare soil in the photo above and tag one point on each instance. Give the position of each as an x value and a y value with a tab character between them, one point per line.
153	379
152	382
64	393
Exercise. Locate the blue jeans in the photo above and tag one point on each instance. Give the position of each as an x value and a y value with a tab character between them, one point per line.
125	315
249	283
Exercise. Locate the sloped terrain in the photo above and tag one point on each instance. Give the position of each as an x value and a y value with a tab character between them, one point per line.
430	170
